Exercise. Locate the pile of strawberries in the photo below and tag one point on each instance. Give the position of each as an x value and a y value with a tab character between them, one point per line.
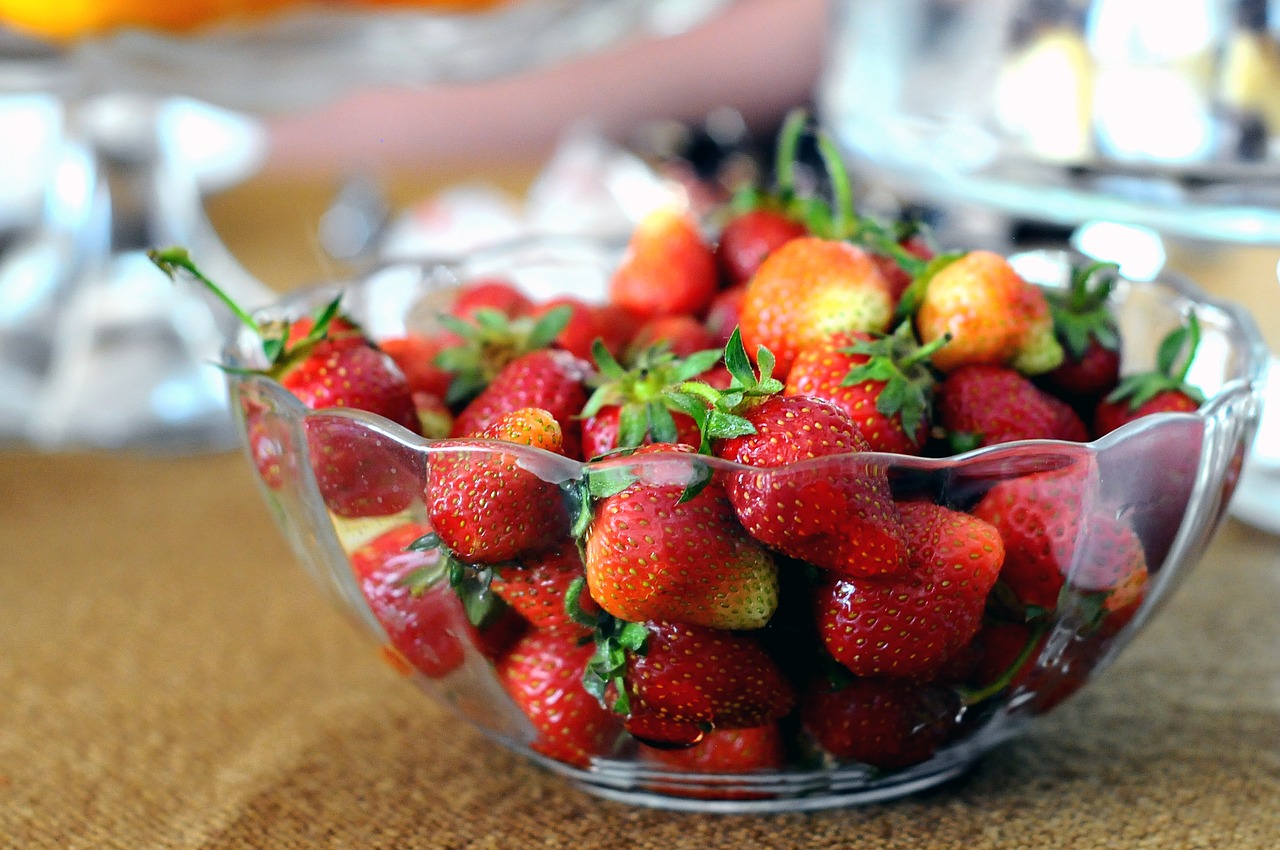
747	576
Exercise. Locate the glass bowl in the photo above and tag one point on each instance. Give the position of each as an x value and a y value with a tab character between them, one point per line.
1151	493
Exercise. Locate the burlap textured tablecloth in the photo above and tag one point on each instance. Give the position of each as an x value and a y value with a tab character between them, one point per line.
170	679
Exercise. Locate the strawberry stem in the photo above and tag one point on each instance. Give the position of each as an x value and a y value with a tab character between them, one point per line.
785	158
973	696
169	260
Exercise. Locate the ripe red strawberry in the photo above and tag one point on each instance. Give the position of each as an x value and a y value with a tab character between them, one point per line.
616	326
489	341
909	626
993	316
495	294
885	384
423	619
749	238
543	674
982	405
1161	390
631	406
359	471
883	723
344	370
536	586
668	268
721	751
1086	328
809	289
1053	533
654	552
725	314
837	514
690	679
416	357
581	329
681	335
548	379
484	504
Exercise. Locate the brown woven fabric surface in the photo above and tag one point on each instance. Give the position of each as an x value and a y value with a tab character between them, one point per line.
170	679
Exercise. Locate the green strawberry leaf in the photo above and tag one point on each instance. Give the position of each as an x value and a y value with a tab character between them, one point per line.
425	543
609	481
661	425
914	294
701	478
633	425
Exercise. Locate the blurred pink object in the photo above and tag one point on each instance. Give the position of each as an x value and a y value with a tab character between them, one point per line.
761	57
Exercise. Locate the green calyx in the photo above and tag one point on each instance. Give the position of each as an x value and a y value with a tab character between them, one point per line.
491	340
1174	357
616	640
280	355
718	412
641	392
903	367
469	581
1081	312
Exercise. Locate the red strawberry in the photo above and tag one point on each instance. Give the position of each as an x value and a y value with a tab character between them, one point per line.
548	379
1053	533
543	674
722	751
681	335
631	407
749	238
667	270
725	314
1161	390
982	405
495	294
837	514
361	472
690	679
616	326
490	341
485	505
1086	328
653	552
993	316
885	384
536	586
342	370
422	618
884	723
809	289
912	244
416	356
909	626
582	328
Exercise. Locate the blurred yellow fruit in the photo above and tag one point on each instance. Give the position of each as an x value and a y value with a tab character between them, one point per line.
67	19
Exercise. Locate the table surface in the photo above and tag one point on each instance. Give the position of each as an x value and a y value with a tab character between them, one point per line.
169	678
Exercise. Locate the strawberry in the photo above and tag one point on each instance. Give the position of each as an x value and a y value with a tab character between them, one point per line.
667	270
809	289
681	335
484	504
993	316
653	551
880	722
494	294
536	586
909	626
884	383
1161	390
489	341
416	357
679	681
722	751
581	329
749	238
982	405
1054	535
543	675
326	362
914	244
1086	328
837	515
616	326
548	379
422	617
631	407
435	419
725	314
